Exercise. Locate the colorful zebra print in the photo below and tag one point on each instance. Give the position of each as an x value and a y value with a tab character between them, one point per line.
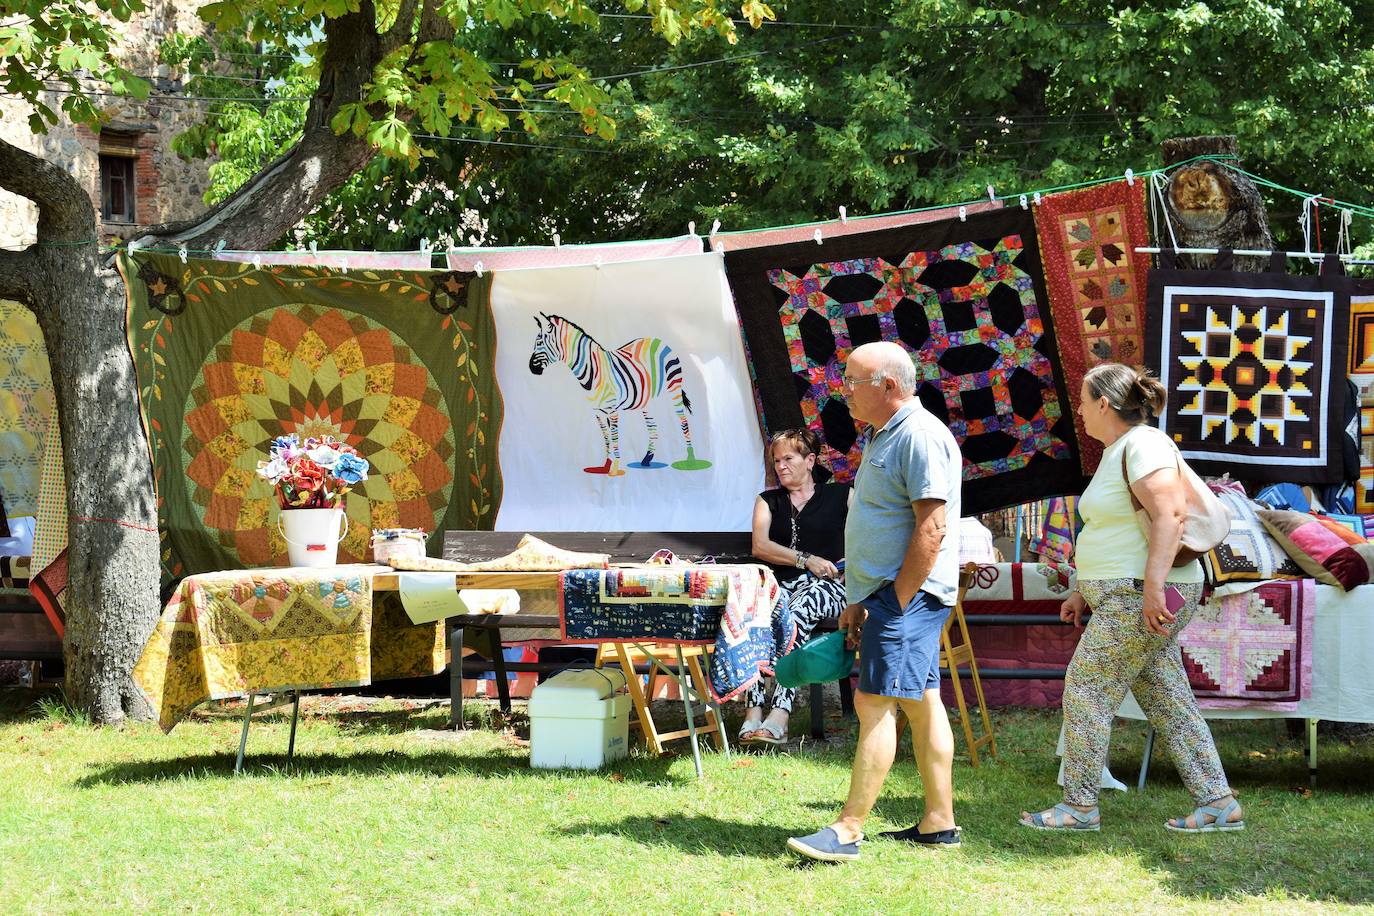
626	378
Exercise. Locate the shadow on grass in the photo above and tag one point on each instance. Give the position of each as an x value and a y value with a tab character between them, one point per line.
694	833
367	763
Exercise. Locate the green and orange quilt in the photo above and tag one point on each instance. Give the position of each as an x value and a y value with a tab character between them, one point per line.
392	362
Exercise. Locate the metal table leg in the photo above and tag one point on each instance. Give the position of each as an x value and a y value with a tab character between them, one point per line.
1145	759
685	687
1312	753
295	714
243	736
455	674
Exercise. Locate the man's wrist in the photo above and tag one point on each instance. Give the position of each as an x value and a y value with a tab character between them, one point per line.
801	560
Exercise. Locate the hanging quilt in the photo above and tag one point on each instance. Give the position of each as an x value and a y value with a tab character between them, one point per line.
965	298
337	260
394	363
534	256
1253	363
626	399
1361	369
1096	283
26	403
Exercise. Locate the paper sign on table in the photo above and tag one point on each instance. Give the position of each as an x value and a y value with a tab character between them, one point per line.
430	596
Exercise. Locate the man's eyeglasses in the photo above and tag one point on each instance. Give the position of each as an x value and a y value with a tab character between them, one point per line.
847	382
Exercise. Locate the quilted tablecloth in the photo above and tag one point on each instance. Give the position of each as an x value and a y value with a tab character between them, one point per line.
228	634
726	605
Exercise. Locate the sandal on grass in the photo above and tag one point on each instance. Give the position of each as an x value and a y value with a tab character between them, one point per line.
749	730
1209	819
771	734
1069	818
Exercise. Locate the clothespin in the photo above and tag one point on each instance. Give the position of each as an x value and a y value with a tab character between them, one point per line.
1036	198
844	216
478	268
596	262
181	253
424	246
313	250
992	194
257	262
343	265
1130	177
1025	204
817	235
134	245
557	241
692	228
219	246
715	227
719	246
963	214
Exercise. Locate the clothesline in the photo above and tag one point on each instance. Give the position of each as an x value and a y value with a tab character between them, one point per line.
1024	199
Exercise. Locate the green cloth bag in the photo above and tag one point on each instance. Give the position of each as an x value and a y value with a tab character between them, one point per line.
819	661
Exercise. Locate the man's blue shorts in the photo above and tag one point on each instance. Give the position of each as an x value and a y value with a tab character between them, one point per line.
899	651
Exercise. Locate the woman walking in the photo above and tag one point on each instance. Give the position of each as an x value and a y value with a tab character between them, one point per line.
1140	602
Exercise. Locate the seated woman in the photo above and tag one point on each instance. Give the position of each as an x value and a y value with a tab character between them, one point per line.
799	532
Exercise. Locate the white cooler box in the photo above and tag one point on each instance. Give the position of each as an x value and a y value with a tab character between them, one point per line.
580	718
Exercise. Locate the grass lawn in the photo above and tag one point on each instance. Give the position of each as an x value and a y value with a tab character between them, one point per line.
383	813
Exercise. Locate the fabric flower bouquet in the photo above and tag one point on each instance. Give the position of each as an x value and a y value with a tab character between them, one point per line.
315	474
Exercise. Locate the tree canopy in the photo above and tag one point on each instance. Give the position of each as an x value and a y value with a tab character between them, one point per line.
869	105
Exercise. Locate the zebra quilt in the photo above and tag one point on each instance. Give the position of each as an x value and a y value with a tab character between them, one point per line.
626	399
966	298
1254	365
230	356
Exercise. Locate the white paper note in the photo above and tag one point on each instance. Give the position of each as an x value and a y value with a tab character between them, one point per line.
430	596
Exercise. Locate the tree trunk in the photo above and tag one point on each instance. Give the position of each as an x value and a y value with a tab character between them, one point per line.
113	573
112	600
1212	206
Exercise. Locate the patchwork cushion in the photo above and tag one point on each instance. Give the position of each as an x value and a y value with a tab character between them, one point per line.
1326	550
1249	555
1354	523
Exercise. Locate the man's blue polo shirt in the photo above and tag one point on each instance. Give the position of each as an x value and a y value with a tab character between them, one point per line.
914	456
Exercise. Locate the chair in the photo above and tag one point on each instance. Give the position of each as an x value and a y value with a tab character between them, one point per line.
952	656
627	656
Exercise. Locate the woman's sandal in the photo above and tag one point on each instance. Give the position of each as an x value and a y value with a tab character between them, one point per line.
1070	818
1220	820
771	734
749	731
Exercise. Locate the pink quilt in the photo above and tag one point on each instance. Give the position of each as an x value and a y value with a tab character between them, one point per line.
1254	649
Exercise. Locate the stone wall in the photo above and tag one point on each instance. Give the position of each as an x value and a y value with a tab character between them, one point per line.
167	188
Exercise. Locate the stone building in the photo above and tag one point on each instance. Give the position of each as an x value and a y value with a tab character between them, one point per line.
127	166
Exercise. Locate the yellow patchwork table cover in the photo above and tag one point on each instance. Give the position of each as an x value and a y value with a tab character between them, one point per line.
228	634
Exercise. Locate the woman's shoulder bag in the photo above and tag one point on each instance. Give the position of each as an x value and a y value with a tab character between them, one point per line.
1207	523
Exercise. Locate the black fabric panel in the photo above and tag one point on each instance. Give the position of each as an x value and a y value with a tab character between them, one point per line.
1242	331
922	308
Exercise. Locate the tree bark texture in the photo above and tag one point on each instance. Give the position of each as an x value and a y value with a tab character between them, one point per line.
112	601
1212	206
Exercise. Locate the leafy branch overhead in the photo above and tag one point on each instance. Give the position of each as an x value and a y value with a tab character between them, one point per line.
429	79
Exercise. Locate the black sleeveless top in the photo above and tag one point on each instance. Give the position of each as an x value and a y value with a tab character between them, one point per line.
820	524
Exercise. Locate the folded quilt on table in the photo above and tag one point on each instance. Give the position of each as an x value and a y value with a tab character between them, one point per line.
530	555
728	605
1253	649
228	634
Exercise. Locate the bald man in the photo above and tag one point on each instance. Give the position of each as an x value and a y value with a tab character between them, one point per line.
901	580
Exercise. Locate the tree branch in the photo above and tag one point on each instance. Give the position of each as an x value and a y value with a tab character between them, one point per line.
294	184
65	213
16	273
